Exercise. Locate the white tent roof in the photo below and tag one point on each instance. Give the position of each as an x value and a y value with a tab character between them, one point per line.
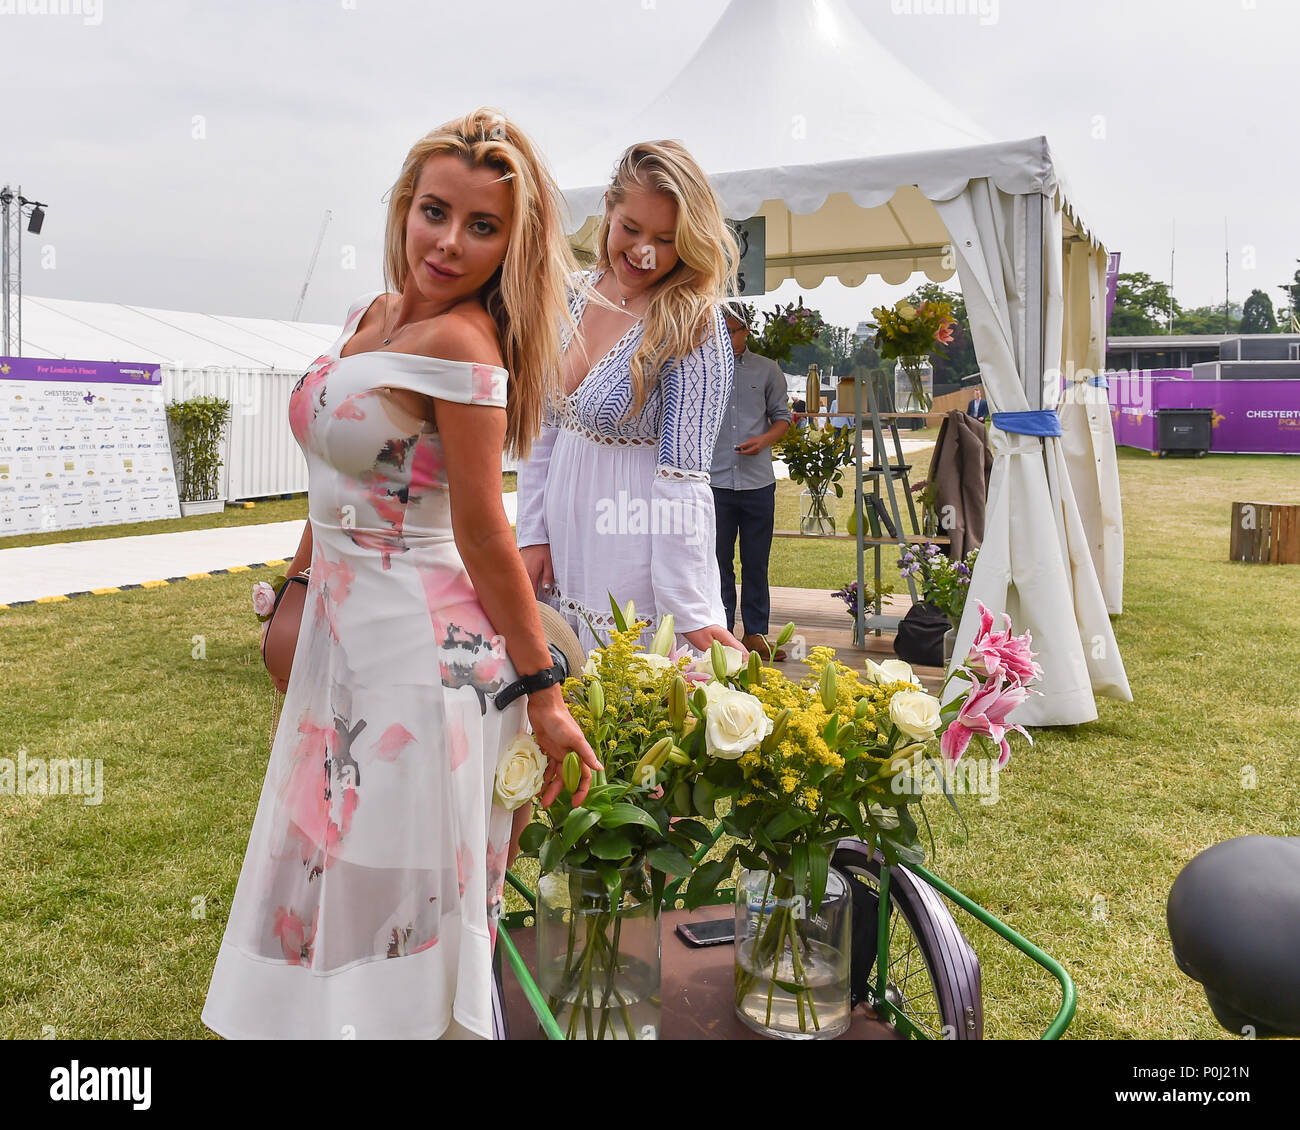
109	331
837	144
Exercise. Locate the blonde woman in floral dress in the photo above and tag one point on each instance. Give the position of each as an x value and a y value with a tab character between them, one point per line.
367	902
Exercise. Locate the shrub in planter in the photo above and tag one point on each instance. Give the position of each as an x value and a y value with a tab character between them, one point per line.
196	427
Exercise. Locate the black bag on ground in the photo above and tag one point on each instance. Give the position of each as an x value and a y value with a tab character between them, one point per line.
919	640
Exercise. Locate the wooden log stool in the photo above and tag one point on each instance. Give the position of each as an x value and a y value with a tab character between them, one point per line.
1265	532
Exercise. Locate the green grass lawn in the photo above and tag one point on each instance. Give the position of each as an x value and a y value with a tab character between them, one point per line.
111	914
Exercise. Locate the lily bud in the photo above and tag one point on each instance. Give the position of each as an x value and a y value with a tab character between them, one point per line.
828	686
719	659
596	700
755	669
677	702
860	711
659	751
662	643
678	756
779	724
629	613
651	760
571	771
785	635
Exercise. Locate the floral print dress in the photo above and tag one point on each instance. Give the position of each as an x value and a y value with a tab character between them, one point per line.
367	902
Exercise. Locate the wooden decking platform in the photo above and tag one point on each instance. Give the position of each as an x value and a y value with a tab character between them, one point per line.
822	621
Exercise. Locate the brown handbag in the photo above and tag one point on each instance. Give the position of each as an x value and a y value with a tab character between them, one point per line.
281	637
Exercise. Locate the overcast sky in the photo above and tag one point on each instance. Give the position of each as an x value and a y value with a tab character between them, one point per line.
1159	111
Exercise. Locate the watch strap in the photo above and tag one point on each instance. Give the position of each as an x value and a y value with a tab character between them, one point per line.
527	684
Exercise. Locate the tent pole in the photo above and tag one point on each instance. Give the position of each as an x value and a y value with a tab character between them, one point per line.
1034	296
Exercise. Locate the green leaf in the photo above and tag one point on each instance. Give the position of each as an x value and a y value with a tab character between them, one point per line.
704	882
702	799
599	796
851	812
657	883
783	823
695	830
532	837
613	882
611	844
619	623
818	866
552	854
620	814
750	858
667	858
578	823
799	865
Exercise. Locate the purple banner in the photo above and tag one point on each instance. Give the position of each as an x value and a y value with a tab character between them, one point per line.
98	372
1248	417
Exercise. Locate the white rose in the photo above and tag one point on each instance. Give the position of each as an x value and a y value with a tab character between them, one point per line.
891	671
704	664
916	714
520	772
734	722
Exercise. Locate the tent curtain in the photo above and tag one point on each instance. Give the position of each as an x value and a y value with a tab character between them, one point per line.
1035	563
1088	437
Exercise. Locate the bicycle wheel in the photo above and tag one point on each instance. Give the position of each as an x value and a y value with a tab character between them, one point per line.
933	975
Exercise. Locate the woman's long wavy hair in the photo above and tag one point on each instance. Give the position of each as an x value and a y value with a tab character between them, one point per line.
527	296
680	314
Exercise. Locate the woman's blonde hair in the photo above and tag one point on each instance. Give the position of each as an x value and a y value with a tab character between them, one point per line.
527	296
681	310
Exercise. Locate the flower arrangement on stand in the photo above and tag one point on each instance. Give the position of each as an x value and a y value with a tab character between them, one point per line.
873	596
816	458
907	334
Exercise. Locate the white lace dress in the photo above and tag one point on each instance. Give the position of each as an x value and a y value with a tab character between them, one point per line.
625	504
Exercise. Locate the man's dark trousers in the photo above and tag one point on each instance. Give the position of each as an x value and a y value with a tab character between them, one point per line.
751	513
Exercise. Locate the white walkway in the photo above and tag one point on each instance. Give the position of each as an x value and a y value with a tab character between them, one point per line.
42	571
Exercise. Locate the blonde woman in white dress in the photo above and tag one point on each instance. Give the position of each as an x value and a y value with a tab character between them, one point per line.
615	497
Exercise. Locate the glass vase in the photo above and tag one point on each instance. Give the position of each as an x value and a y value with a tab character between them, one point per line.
913	384
815	516
598	955
792	967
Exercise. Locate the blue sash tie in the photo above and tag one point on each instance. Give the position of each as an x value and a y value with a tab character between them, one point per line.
1043	422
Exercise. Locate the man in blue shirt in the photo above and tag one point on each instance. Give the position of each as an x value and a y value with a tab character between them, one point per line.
978	406
744	486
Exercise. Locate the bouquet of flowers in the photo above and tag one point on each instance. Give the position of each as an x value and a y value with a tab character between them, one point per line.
818	761
944	583
653	737
907	332
816	457
849	594
784	328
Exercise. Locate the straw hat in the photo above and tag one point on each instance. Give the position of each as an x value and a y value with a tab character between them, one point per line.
560	638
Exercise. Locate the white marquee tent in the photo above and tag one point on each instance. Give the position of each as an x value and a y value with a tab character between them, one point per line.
860	168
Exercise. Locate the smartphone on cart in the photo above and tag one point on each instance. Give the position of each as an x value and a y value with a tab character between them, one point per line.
718	932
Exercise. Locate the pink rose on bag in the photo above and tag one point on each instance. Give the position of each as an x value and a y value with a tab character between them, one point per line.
1000	654
984	713
263	599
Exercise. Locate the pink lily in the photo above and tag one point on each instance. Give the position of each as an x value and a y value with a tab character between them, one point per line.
1000	654
985	713
692	677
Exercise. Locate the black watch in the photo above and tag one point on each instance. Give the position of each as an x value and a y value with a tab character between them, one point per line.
527	684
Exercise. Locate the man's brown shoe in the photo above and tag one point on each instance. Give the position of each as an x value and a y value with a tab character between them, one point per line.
759	644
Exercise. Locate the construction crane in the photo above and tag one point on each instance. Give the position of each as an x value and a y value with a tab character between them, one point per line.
312	265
